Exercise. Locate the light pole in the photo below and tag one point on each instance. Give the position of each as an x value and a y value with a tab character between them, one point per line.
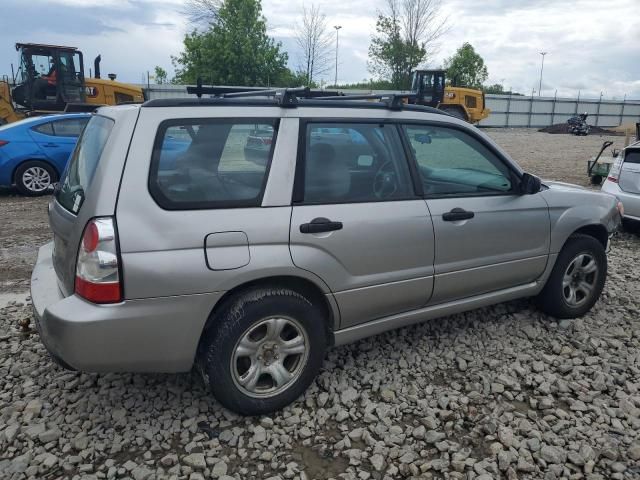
337	27
541	69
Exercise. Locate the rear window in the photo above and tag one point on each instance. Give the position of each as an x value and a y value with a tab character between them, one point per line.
211	163
83	163
632	156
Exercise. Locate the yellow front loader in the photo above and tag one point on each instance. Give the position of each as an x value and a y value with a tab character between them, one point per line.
465	103
51	79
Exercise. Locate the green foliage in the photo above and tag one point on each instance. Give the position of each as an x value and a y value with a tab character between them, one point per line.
160	75
235	50
390	56
466	68
367	85
496	88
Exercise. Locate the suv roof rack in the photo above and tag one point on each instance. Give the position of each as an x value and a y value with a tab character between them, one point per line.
289	97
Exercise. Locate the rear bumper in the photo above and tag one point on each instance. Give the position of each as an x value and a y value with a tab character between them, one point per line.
146	335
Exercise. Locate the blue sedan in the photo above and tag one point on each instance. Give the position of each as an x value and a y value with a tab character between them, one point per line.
34	151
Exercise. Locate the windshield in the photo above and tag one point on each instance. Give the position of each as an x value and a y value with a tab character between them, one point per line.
83	163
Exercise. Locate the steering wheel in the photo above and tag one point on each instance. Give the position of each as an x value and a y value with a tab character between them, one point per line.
385	181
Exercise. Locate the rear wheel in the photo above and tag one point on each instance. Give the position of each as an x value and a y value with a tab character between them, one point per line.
34	178
263	350
577	278
596	180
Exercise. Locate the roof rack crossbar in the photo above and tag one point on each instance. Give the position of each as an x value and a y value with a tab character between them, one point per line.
288	97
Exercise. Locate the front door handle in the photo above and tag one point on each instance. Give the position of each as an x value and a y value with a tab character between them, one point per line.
319	225
51	145
457	214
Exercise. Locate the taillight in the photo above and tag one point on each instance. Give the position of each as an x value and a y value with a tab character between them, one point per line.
614	173
3	143
97	267
266	141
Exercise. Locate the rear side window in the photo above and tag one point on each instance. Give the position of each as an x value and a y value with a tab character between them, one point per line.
45	128
211	164
83	163
632	156
69	128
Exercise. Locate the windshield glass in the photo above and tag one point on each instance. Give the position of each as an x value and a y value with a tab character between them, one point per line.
83	163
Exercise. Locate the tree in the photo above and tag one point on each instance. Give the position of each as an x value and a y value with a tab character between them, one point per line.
314	42
202	13
407	33
496	88
160	74
235	50
466	67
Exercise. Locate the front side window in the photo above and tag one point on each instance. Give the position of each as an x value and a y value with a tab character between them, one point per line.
210	164
83	163
354	162
452	162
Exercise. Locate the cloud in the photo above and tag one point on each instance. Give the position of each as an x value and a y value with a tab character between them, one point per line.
589	48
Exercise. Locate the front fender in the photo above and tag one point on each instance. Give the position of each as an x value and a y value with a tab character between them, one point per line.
570	211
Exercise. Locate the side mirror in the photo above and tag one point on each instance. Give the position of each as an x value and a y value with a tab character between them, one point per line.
422	138
529	184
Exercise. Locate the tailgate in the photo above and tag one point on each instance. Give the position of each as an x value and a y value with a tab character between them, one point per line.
78	198
629	180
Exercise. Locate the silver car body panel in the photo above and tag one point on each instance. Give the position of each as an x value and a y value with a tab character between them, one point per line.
627	189
476	256
380	245
393	263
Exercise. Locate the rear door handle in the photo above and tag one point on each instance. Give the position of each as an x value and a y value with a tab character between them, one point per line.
50	145
457	214
319	225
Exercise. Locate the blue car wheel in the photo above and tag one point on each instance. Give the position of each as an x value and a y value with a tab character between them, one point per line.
34	178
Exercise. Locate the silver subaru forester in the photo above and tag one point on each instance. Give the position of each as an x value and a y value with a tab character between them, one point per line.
247	235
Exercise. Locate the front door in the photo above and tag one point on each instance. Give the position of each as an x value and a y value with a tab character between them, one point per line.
357	223
488	237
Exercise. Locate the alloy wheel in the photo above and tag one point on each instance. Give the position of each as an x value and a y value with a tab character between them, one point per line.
269	356
579	280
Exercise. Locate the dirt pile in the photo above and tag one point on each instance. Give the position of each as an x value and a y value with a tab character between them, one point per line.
564	128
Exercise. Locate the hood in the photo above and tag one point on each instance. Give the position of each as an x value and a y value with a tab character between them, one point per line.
562	185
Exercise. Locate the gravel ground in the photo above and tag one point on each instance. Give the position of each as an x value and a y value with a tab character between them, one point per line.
501	392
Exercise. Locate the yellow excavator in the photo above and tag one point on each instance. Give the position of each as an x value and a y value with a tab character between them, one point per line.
50	79
430	89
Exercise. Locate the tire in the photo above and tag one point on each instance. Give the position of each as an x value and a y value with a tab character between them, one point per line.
596	180
242	364
34	178
456	112
556	297
631	226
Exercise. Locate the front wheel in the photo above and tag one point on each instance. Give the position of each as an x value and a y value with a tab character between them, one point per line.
34	178
263	350
577	278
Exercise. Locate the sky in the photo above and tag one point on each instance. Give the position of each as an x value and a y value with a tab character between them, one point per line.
593	46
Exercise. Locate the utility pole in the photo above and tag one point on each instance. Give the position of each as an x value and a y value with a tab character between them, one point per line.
541	69
337	27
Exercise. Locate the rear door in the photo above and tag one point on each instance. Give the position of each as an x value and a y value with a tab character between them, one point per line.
357	222
487	236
